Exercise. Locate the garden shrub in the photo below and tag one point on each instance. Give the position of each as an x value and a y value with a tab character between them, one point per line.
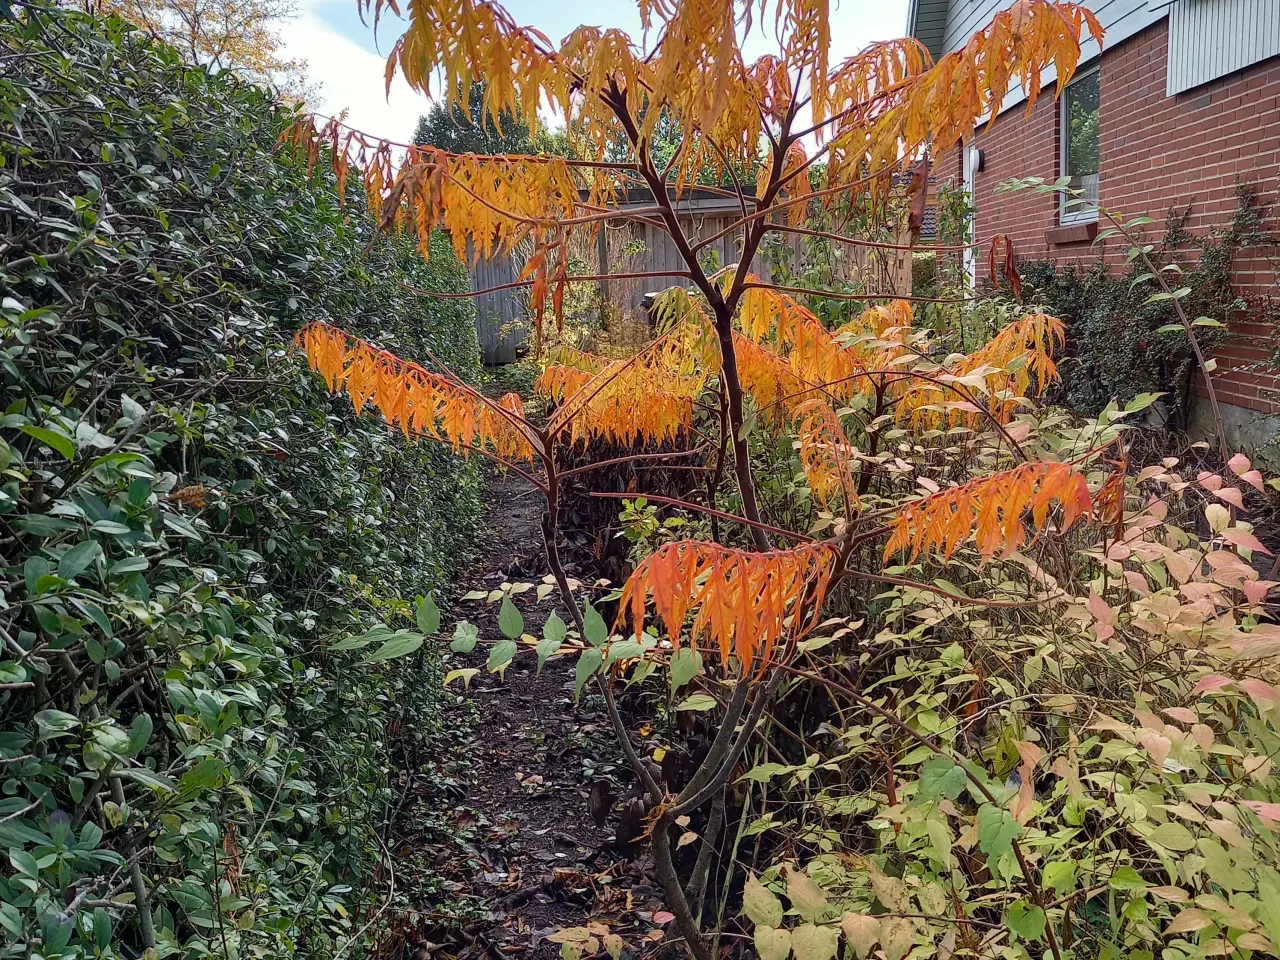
187	767
1119	345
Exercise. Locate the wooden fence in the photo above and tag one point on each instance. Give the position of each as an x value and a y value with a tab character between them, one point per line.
627	246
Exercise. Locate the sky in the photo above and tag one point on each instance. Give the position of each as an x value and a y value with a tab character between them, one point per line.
348	66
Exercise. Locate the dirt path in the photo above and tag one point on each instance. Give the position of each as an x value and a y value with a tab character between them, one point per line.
521	845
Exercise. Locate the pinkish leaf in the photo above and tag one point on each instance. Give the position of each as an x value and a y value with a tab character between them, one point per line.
1245	539
1181	714
1259	689
1231	495
1137	583
1101	611
662	916
1212	683
1210	481
1188	921
1254	479
1156	744
1239	464
1269	812
1255	591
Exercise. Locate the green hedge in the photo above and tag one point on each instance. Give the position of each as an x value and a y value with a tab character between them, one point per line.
187	519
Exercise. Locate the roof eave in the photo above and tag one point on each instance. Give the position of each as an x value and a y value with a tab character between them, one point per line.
931	35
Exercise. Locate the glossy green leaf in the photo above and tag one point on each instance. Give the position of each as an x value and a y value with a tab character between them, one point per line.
588	664
594	626
686	663
553	634
76	560
53	439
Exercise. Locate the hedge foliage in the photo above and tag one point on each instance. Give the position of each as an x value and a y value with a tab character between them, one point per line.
186	518
1121	343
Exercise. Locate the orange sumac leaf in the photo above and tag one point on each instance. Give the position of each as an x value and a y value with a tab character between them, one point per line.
825	452
745	602
991	510
1108	504
768	379
649	396
413	398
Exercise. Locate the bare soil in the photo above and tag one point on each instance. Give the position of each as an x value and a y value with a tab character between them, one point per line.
520	845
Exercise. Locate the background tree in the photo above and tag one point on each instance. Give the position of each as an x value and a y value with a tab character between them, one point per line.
666	143
458	129
235	34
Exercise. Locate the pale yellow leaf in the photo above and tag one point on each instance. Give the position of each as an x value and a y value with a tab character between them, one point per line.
896	937
1188	921
772	944
861	931
1229	832
806	896
812	942
890	891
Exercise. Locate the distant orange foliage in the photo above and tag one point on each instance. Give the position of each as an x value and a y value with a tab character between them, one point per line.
1015	364
825	452
649	396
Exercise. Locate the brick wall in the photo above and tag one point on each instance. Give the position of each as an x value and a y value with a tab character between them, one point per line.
1157	153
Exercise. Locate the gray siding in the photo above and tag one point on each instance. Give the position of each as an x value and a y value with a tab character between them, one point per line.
927	22
1209	39
1120	19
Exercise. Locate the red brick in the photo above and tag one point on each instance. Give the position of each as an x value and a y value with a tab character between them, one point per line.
1157	153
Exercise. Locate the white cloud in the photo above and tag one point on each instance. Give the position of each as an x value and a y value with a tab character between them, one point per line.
352	78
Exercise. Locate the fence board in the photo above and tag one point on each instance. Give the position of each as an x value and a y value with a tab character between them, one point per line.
639	247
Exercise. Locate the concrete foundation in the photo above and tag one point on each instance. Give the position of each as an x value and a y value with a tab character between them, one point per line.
1255	434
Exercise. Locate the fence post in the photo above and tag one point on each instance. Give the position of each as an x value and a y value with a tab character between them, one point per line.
602	251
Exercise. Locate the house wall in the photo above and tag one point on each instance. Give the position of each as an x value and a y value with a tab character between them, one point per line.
1157	153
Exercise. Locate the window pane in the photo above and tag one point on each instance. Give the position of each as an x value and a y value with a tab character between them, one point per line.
1082	116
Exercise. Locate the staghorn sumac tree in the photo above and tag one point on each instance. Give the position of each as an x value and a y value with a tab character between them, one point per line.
868	405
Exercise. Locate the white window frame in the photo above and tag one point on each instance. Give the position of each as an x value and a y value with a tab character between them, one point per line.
969	170
1076	213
